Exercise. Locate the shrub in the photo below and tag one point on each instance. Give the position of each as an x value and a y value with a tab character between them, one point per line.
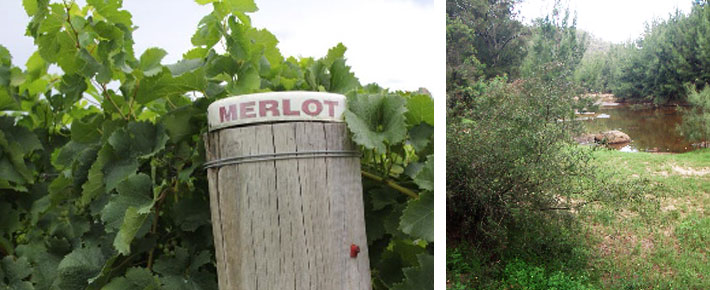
520	275
509	153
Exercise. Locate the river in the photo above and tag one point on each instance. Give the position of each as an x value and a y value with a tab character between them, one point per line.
651	129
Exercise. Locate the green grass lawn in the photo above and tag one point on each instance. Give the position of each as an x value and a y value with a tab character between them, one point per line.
661	238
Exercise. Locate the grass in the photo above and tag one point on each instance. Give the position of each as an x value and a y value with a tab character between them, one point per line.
658	241
645	225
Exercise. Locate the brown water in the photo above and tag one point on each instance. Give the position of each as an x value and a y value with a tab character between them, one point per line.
650	129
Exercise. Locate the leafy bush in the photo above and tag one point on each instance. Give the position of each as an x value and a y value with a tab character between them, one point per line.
508	152
520	275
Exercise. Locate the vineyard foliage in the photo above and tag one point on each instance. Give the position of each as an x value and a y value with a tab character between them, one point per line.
100	164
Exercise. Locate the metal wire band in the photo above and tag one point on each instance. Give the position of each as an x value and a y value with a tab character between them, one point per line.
279	156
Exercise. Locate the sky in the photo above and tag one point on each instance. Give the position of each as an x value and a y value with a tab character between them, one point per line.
611	20
389	41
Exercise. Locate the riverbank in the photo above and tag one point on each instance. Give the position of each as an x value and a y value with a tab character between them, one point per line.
659	236
643	224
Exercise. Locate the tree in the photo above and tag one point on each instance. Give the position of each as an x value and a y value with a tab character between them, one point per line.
696	119
488	30
555	49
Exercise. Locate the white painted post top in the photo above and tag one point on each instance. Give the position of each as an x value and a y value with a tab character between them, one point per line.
274	107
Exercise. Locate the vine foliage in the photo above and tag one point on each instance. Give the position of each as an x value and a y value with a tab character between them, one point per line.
101	184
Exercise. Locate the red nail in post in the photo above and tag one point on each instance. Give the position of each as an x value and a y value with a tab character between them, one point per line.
354	250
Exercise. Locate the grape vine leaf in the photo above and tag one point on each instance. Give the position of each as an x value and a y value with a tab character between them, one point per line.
135	278
418	278
85	130
30	7
209	31
150	61
420	108
79	266
133	220
425	177
7	103
14	271
94	185
136	140
242	6
183	271
420	136
132	192
341	79
5	56
110	10
73	86
164	84
376	120
418	218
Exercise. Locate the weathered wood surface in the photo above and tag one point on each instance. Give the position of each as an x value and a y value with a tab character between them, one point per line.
287	224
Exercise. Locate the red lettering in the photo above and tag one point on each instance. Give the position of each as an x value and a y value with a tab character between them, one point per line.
306	107
225	115
331	107
245	109
269	105
287	109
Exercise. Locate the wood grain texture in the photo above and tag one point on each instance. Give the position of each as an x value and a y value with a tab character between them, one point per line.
287	224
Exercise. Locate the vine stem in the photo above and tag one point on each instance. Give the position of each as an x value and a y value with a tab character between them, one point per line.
106	95
76	34
154	228
391	184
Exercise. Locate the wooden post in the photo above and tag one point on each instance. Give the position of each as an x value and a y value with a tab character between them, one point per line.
286	197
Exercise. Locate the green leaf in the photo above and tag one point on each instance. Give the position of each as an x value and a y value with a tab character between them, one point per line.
94	185
418	218
135	140
242	6
183	271
184	66
376	120
133	220
420	136
164	85
16	142
135	278
133	192
25	139
191	213
150	61
15	271
248	81
420	108
110	10
30	7
73	86
334	53
7	102
179	123
78	266
421	277
139	139
5	57
208	31
425	177
36	66
342	80
221	64
86	130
